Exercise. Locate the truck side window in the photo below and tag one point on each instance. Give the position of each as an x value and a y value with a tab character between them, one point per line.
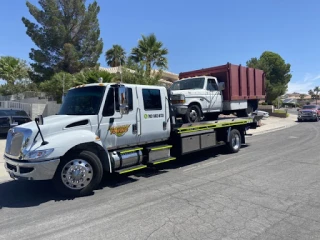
212	86
130	99
151	99
108	109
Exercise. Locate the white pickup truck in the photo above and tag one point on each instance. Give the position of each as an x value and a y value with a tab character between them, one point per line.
227	89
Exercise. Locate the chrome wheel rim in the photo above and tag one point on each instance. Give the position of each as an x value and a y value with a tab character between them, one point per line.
235	142
193	115
77	174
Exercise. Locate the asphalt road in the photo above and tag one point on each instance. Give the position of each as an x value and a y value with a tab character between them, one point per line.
269	190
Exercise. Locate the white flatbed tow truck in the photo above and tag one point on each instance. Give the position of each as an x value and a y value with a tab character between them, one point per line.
108	128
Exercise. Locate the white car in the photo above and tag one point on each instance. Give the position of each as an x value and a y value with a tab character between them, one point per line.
261	113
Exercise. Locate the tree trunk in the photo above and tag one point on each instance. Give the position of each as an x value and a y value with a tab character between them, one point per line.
148	69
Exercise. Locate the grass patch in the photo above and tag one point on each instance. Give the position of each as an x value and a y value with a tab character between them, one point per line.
280	111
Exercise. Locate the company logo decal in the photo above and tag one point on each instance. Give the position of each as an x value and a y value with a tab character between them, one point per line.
119	131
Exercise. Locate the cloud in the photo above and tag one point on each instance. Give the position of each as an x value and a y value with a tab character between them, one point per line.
311	78
300	87
309	82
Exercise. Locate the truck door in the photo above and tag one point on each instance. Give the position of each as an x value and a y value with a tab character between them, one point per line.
155	114
120	131
214	96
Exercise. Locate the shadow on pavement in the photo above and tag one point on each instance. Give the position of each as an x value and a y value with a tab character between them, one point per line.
21	194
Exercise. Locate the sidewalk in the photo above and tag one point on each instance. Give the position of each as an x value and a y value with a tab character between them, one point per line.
273	124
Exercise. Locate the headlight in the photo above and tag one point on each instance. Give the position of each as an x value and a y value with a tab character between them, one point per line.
179	98
39	154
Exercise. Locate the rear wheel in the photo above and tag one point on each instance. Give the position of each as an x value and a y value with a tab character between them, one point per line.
193	114
78	174
234	143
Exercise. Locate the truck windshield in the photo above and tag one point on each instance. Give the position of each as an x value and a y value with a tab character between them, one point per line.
83	101
187	84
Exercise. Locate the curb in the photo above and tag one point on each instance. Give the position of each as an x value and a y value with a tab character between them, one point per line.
274	129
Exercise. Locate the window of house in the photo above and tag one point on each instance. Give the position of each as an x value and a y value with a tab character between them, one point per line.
112	97
151	99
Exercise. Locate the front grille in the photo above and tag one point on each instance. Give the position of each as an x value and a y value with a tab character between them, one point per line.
18	141
16	144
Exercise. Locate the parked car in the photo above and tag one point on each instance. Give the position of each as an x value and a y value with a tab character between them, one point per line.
309	112
12	117
261	113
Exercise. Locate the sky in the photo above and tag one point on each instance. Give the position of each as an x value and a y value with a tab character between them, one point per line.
198	34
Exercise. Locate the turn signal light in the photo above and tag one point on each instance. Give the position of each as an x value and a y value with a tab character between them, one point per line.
178	101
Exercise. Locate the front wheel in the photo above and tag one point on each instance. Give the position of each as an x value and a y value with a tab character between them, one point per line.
78	174
234	143
193	114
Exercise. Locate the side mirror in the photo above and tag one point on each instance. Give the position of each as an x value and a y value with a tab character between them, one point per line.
221	86
39	120
123	100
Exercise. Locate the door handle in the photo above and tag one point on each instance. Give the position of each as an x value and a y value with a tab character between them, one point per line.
134	128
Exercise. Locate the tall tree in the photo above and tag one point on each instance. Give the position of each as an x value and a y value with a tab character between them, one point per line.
13	69
67	35
277	73
116	56
150	52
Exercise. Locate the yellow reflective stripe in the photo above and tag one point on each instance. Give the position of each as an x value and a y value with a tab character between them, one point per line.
166	160
132	169
161	148
131	150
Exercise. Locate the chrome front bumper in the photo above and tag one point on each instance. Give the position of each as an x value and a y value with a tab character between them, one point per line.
40	170
180	109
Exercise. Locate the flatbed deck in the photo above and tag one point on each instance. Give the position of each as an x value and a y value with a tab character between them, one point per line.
220	123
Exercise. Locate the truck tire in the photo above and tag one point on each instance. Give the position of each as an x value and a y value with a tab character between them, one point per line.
234	143
78	174
193	114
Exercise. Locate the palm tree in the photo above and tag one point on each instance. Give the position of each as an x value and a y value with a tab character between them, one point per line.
150	53
316	91
12	69
115	56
